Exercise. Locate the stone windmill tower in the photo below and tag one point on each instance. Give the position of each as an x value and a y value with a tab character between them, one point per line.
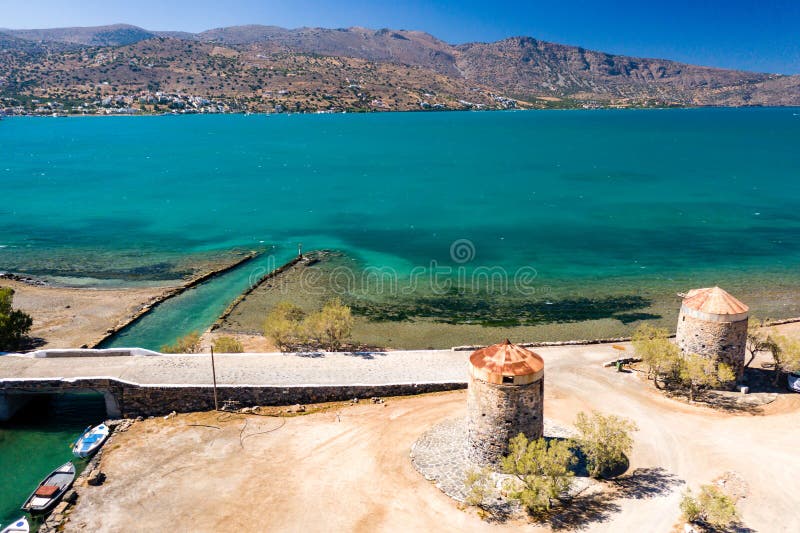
712	323
504	398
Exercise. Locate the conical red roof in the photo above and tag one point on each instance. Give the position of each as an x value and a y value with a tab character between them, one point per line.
714	301
507	359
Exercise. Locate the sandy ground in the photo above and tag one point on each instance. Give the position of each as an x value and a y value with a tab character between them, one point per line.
70	318
348	469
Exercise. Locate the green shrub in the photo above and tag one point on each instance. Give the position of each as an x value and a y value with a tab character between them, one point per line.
187	344
653	347
605	440
541	472
283	325
227	344
478	485
14	324
712	507
690	508
331	325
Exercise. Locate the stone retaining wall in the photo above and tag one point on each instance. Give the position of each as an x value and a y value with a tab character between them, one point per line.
131	400
145	401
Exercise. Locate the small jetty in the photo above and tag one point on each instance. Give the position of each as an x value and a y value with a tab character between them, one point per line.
308	259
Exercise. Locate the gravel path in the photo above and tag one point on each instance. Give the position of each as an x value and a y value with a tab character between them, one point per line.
440	455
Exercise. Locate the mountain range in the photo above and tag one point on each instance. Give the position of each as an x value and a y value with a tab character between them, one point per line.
267	68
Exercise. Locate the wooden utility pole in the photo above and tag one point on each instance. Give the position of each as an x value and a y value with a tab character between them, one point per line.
214	376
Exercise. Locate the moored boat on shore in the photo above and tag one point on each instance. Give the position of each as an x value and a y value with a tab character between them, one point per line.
18	526
90	441
50	490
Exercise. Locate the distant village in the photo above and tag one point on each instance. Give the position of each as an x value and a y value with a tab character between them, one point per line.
124	104
178	103
149	103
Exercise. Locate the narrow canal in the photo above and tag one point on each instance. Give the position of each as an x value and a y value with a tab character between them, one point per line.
197	308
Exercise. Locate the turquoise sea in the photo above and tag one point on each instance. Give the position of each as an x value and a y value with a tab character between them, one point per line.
590	205
592	202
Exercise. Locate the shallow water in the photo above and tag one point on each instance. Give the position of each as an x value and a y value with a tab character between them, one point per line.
38	440
589	203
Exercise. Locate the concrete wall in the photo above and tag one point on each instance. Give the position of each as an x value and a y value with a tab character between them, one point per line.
131	400
497	413
85	352
722	341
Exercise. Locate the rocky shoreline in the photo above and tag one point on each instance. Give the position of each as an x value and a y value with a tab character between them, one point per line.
28	280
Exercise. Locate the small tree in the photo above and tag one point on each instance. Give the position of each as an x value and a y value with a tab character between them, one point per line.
712	507
331	325
189	343
478	485
697	372
282	325
541	471
785	354
653	347
757	340
605	440
14	324
226	344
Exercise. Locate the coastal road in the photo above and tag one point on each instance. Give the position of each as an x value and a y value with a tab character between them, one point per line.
270	369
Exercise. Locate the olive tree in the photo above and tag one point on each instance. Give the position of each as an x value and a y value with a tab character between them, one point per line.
698	372
757	340
605	440
785	354
283	324
14	324
662	357
331	325
541	471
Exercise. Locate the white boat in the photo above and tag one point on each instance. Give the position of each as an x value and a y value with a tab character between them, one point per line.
50	490
20	526
793	381
91	440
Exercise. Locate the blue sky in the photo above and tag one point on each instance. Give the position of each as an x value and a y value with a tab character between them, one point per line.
761	36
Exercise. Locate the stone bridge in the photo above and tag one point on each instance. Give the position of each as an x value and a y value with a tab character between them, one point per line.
142	383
